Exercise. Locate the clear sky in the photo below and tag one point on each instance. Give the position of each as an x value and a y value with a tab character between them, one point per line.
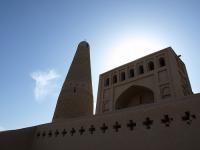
38	39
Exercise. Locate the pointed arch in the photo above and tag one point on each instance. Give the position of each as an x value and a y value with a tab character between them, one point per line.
133	96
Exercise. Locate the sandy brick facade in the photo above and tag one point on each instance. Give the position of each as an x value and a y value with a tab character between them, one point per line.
145	104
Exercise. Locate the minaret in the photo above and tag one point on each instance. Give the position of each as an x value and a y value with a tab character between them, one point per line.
76	98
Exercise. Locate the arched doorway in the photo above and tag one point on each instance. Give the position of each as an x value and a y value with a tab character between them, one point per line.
133	96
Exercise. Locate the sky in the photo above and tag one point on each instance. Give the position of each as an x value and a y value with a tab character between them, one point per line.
38	39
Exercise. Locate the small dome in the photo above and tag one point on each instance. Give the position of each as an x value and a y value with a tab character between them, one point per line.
83	43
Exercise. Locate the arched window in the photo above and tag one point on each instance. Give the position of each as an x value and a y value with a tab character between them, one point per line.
107	81
123	77
74	89
150	66
141	69
131	73
115	79
134	96
162	62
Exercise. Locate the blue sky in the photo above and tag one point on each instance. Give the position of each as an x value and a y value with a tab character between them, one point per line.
38	40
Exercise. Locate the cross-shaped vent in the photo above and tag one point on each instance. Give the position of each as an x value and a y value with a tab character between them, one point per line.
50	133
44	134
104	128
56	133
148	122
81	130
167	120
188	117
131	124
116	126
92	129
64	132
38	134
72	132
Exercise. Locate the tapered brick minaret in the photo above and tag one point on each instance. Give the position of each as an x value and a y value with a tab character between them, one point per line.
76	98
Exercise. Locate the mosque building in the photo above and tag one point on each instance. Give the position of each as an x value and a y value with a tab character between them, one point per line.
147	104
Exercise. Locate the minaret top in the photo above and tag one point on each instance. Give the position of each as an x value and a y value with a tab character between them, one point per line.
83	44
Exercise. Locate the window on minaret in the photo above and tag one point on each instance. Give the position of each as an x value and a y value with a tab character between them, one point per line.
131	73
141	69
162	62
115	79
107	82
74	89
123	76
150	66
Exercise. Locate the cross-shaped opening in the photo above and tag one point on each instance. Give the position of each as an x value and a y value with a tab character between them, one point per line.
38	134
148	122
44	134
131	124
56	133
116	126
92	129
72	132
104	128
167	120
64	132
188	117
81	130
50	133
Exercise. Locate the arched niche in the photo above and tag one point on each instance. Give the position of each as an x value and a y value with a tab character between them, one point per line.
133	96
